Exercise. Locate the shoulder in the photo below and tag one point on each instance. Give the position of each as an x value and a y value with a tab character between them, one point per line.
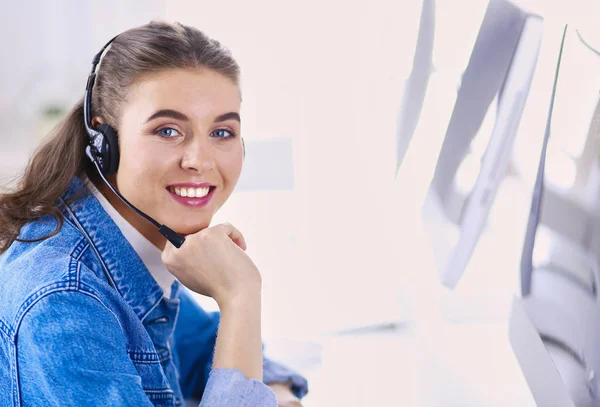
70	314
30	271
68	342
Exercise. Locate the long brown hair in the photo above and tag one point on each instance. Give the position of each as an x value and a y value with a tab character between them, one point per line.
134	54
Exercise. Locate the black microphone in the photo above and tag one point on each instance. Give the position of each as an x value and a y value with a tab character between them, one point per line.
175	238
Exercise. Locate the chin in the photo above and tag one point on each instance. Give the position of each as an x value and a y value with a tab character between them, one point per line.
191	229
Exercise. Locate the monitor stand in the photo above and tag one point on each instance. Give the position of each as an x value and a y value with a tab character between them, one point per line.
543	378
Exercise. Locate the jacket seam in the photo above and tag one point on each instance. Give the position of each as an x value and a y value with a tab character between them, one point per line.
143	318
133	357
5	329
53	288
71	283
70	222
16	391
74	263
89	290
85	235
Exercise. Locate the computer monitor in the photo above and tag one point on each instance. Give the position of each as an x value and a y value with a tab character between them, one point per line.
555	324
415	86
496	81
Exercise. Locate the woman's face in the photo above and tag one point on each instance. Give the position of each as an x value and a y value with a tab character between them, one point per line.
179	131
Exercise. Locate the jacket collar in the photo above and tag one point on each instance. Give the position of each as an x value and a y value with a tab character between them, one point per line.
121	263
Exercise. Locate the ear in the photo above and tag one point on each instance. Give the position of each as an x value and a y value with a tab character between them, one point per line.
97	121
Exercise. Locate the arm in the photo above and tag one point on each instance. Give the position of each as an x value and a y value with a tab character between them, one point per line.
195	335
275	374
284	395
71	351
239	336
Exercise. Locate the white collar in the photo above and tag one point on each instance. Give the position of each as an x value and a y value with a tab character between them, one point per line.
150	254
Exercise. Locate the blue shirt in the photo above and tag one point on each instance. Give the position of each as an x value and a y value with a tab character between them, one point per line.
83	322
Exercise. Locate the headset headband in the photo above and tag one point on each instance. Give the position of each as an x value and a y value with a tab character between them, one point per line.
87	99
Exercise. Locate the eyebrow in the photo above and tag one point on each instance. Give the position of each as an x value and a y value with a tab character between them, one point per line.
229	116
174	114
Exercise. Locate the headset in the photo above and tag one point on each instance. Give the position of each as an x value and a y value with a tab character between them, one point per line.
103	151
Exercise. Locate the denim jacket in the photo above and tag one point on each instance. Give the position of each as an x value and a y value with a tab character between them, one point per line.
82	322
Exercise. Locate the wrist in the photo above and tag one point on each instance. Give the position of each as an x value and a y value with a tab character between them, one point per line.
245	300
239	342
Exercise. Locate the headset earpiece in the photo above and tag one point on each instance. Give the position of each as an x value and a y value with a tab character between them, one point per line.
110	149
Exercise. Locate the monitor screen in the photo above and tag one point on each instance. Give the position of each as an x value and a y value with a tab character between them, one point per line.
486	116
554	327
415	86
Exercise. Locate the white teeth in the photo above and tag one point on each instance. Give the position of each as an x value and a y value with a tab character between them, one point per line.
191	192
200	192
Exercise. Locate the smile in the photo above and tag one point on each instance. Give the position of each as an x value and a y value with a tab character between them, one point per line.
192	197
190	192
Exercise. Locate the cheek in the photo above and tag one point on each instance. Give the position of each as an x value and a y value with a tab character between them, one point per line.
141	166
231	168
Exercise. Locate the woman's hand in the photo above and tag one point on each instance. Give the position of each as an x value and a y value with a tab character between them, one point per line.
284	395
212	262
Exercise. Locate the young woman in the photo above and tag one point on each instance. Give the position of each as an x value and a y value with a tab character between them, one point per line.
95	306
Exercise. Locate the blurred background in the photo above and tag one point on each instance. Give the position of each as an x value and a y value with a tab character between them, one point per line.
346	106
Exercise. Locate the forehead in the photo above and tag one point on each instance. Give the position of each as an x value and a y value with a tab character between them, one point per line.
197	93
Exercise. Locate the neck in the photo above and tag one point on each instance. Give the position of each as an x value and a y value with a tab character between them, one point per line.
147	229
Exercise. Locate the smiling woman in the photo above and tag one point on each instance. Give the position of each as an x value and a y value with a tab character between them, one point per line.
95	305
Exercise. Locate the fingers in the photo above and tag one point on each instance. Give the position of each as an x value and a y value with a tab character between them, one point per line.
233	234
167	256
226	228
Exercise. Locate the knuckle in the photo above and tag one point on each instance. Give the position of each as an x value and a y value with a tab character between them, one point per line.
204	233
166	257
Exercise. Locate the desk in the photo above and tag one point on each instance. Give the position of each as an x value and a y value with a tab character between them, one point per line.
446	365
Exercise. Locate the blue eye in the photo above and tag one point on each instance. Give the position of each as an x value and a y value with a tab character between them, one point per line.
221	133
167	132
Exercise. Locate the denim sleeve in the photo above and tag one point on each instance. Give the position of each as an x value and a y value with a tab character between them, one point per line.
195	337
71	351
274	372
229	387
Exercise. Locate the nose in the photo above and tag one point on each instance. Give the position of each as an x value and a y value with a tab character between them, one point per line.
198	156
